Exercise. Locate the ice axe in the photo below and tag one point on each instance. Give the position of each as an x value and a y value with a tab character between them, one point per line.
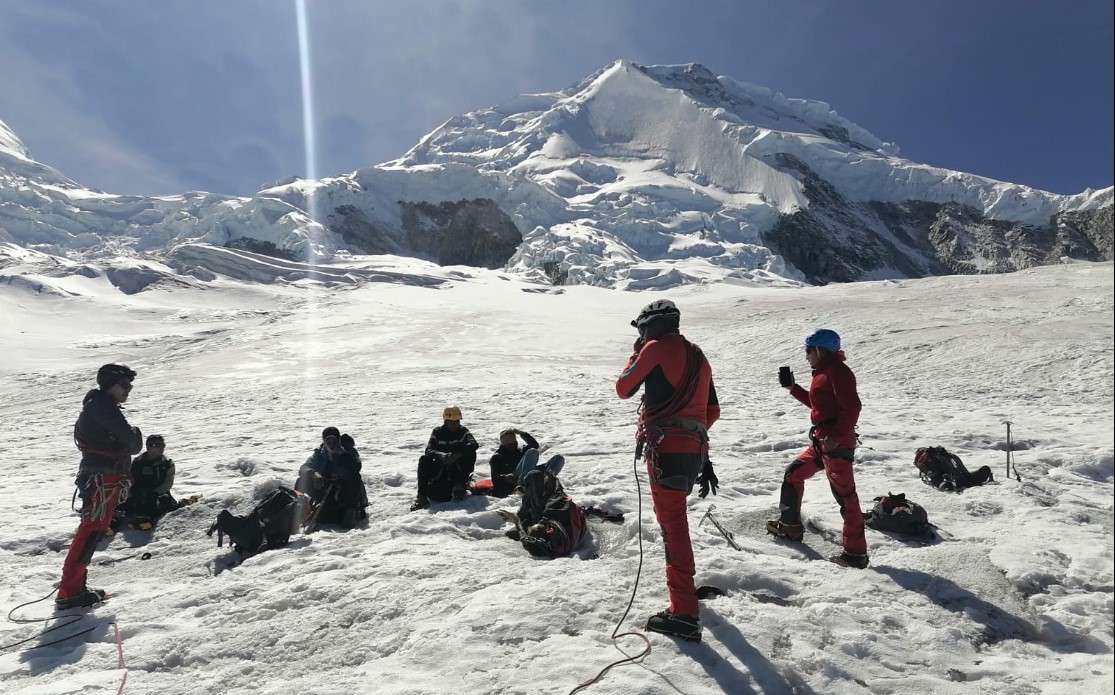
728	535
311	525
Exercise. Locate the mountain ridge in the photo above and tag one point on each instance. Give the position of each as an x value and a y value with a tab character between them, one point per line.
637	177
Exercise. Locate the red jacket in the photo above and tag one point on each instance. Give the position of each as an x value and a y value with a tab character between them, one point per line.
833	401
659	367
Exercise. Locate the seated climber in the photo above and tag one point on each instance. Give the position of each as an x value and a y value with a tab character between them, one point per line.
446	466
506	460
149	498
331	478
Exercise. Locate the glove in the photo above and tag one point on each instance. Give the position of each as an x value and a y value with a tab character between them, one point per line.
708	480
319	482
639	343
785	377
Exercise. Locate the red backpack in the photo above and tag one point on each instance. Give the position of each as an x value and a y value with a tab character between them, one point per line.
562	530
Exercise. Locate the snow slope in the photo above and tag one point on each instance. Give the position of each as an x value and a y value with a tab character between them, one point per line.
241	377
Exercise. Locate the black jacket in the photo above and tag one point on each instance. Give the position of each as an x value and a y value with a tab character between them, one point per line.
443	442
104	437
152	476
505	461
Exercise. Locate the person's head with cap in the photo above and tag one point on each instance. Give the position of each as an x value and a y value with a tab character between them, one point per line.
451	416
331	437
116	380
819	344
660	317
508	440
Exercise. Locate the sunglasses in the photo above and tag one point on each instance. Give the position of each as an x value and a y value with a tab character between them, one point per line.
126	385
810	350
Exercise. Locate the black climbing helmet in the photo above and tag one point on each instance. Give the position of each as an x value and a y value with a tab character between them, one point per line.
111	374
656	310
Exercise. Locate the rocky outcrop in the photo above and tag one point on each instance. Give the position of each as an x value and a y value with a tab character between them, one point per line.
467	232
133	280
362	234
1085	234
837	240
260	246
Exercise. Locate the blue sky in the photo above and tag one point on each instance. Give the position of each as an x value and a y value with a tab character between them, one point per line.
132	96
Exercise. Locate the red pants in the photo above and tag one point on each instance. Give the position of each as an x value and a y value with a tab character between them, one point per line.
98	503
843	485
670	510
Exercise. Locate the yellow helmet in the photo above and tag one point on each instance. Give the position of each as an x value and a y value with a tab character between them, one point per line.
451	413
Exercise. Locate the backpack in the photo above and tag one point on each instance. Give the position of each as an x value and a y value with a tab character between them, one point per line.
896	514
553	525
561	531
270	525
946	471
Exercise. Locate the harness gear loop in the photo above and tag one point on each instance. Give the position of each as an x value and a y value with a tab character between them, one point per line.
102	494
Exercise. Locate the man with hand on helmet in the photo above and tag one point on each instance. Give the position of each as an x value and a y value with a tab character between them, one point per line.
447	464
834	407
107	443
679	405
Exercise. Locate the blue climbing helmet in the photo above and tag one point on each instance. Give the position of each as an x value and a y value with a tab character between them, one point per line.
825	339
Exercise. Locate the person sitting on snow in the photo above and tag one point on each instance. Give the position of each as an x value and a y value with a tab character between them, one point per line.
331	478
446	466
511	462
149	498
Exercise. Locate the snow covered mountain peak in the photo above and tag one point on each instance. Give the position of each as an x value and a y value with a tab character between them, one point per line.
636	177
662	165
11	145
16	164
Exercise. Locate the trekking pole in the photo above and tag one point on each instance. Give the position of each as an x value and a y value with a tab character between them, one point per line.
1010	455
311	525
728	535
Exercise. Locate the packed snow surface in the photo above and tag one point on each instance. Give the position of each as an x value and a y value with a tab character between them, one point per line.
241	378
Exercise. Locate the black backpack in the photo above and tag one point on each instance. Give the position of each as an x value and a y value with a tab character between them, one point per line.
270	525
896	514
551	524
946	471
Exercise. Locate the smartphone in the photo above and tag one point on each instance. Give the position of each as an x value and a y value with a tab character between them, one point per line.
785	377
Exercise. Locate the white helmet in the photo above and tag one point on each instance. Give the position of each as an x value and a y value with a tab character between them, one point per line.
657	309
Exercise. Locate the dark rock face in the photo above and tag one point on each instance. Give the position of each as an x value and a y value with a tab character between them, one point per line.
361	233
264	248
836	240
1086	235
135	280
467	232
967	242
